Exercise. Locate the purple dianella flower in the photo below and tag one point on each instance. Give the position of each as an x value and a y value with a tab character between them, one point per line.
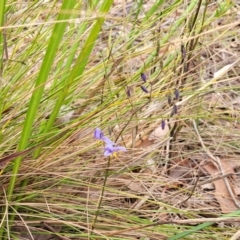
110	149
110	146
144	89
108	141
144	77
98	134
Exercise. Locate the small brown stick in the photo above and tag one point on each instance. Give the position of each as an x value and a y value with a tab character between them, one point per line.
217	162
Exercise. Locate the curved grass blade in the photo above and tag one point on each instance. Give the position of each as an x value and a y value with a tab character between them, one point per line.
55	40
201	226
2	10
80	64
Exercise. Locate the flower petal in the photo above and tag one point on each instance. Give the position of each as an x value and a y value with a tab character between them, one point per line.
108	142
119	148
98	134
107	151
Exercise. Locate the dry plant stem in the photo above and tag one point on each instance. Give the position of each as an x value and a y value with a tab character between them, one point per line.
187	221
5	45
167	155
5	213
181	103
192	191
236	235
135	112
24	223
78	112
192	43
140	158
217	161
6	159
102	193
202	183
146	197
151	190
197	185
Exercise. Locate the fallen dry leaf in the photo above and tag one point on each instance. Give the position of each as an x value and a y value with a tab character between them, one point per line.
180	168
237	190
221	193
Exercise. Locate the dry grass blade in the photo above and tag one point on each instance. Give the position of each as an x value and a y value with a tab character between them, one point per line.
160	78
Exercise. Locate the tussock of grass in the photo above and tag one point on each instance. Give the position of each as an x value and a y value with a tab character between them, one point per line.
68	68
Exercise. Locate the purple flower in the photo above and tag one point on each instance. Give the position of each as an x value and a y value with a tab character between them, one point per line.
108	141
98	134
143	76
110	146
144	89
110	149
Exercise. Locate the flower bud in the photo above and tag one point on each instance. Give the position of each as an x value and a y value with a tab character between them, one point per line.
143	76
176	93
163	124
144	89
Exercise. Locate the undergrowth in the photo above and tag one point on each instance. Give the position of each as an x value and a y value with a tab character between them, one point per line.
159	78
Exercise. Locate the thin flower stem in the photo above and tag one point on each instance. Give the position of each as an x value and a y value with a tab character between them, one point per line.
102	193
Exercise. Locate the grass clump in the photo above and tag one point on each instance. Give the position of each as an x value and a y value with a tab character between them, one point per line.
159	78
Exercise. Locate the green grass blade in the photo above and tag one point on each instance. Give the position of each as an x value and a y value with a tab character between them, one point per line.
201	226
2	10
39	86
55	40
81	62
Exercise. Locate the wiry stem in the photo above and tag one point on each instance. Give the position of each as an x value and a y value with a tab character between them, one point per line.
102	193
